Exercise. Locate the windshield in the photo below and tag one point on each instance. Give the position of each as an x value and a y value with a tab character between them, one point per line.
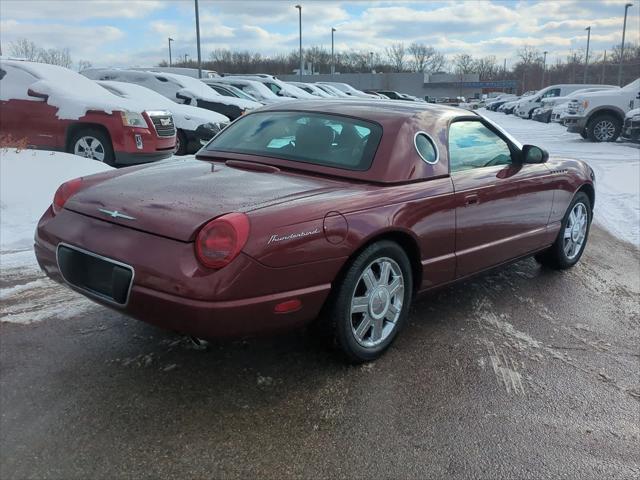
320	139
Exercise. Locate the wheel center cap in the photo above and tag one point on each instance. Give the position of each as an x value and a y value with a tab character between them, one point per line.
379	303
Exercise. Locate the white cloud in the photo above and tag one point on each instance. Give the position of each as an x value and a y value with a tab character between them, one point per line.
73	11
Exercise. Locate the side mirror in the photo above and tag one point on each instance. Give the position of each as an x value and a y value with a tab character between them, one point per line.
533	154
33	93
182	96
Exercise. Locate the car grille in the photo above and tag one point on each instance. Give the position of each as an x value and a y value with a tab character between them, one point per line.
164	125
95	275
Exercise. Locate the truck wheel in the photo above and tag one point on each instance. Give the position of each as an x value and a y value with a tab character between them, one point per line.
583	134
92	143
181	143
572	238
371	303
603	128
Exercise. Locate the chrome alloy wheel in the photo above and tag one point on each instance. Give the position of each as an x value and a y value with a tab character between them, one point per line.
376	302
604	130
89	147
575	231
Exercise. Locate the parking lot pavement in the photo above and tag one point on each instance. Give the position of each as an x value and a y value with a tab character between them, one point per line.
520	373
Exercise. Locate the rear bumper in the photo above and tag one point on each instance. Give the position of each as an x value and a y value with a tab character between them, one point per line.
169	291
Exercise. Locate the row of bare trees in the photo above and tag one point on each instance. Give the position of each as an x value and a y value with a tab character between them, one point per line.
28	50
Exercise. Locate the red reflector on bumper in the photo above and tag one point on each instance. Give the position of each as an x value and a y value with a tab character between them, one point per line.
288	306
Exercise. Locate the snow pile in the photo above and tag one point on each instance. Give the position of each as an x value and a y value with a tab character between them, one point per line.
616	165
71	93
28	181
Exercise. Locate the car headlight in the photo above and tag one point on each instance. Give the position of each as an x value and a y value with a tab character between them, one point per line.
133	119
215	127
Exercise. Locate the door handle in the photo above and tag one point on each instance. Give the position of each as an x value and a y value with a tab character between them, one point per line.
471	200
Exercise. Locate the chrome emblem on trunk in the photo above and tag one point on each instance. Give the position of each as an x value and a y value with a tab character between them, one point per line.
116	214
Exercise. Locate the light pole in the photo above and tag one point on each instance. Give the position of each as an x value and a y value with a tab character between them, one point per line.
371	61
504	76
624	29
333	58
299	7
170	40
586	58
186	58
544	68
198	40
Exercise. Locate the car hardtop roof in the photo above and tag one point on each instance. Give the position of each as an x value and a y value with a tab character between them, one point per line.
380	111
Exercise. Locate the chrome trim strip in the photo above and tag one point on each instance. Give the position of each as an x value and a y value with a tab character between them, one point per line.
433	144
91	293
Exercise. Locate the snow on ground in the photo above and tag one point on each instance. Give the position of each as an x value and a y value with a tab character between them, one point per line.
616	165
28	181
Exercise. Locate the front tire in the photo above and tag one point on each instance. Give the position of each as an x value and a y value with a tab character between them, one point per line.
572	238
604	128
371	303
92	143
181	143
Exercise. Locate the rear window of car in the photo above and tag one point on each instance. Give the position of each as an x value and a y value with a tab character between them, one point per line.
319	139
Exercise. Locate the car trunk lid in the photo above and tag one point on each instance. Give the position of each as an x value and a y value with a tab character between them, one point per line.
173	199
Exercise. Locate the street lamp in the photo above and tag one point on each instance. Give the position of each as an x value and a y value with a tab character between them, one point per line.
198	40
586	58
170	40
624	28
333	58
299	7
544	68
371	61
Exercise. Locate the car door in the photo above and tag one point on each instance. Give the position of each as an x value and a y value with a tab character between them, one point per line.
502	205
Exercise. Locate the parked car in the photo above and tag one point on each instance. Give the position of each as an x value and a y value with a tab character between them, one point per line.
631	127
508	107
332	90
178	88
348	89
545	113
189	72
55	108
194	126
335	219
393	95
312	89
599	116
498	101
278	87
227	90
526	106
256	89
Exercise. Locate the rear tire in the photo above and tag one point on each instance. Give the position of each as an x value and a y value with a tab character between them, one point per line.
572	237
604	128
371	303
92	143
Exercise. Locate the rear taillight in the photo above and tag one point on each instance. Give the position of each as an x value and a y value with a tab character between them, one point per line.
65	192
221	240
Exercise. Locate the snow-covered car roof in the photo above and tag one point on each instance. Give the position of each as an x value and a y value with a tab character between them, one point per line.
185	116
71	93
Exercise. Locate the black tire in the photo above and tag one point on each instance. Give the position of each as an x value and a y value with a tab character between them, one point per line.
102	153
603	128
181	143
339	311
555	256
583	134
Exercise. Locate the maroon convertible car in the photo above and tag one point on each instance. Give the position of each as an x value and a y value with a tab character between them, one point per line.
329	210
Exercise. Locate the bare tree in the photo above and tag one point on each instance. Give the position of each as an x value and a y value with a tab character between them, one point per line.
55	56
425	58
84	64
23	48
529	55
486	67
396	54
464	63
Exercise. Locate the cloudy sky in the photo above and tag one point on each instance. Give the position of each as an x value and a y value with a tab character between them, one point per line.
134	32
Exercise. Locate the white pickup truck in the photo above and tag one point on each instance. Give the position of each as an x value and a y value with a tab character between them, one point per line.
599	116
526	105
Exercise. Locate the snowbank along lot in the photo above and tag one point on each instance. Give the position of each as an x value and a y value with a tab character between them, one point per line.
617	168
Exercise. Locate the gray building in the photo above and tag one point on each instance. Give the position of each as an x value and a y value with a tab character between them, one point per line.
435	85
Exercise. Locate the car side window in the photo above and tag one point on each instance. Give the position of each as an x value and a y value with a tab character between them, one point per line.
473	145
552	93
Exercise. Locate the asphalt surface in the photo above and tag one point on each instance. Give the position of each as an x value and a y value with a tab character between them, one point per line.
520	373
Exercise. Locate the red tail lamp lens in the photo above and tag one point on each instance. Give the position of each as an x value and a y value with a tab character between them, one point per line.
221	240
65	192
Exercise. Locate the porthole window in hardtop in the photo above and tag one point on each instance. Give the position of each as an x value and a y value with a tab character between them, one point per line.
426	149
